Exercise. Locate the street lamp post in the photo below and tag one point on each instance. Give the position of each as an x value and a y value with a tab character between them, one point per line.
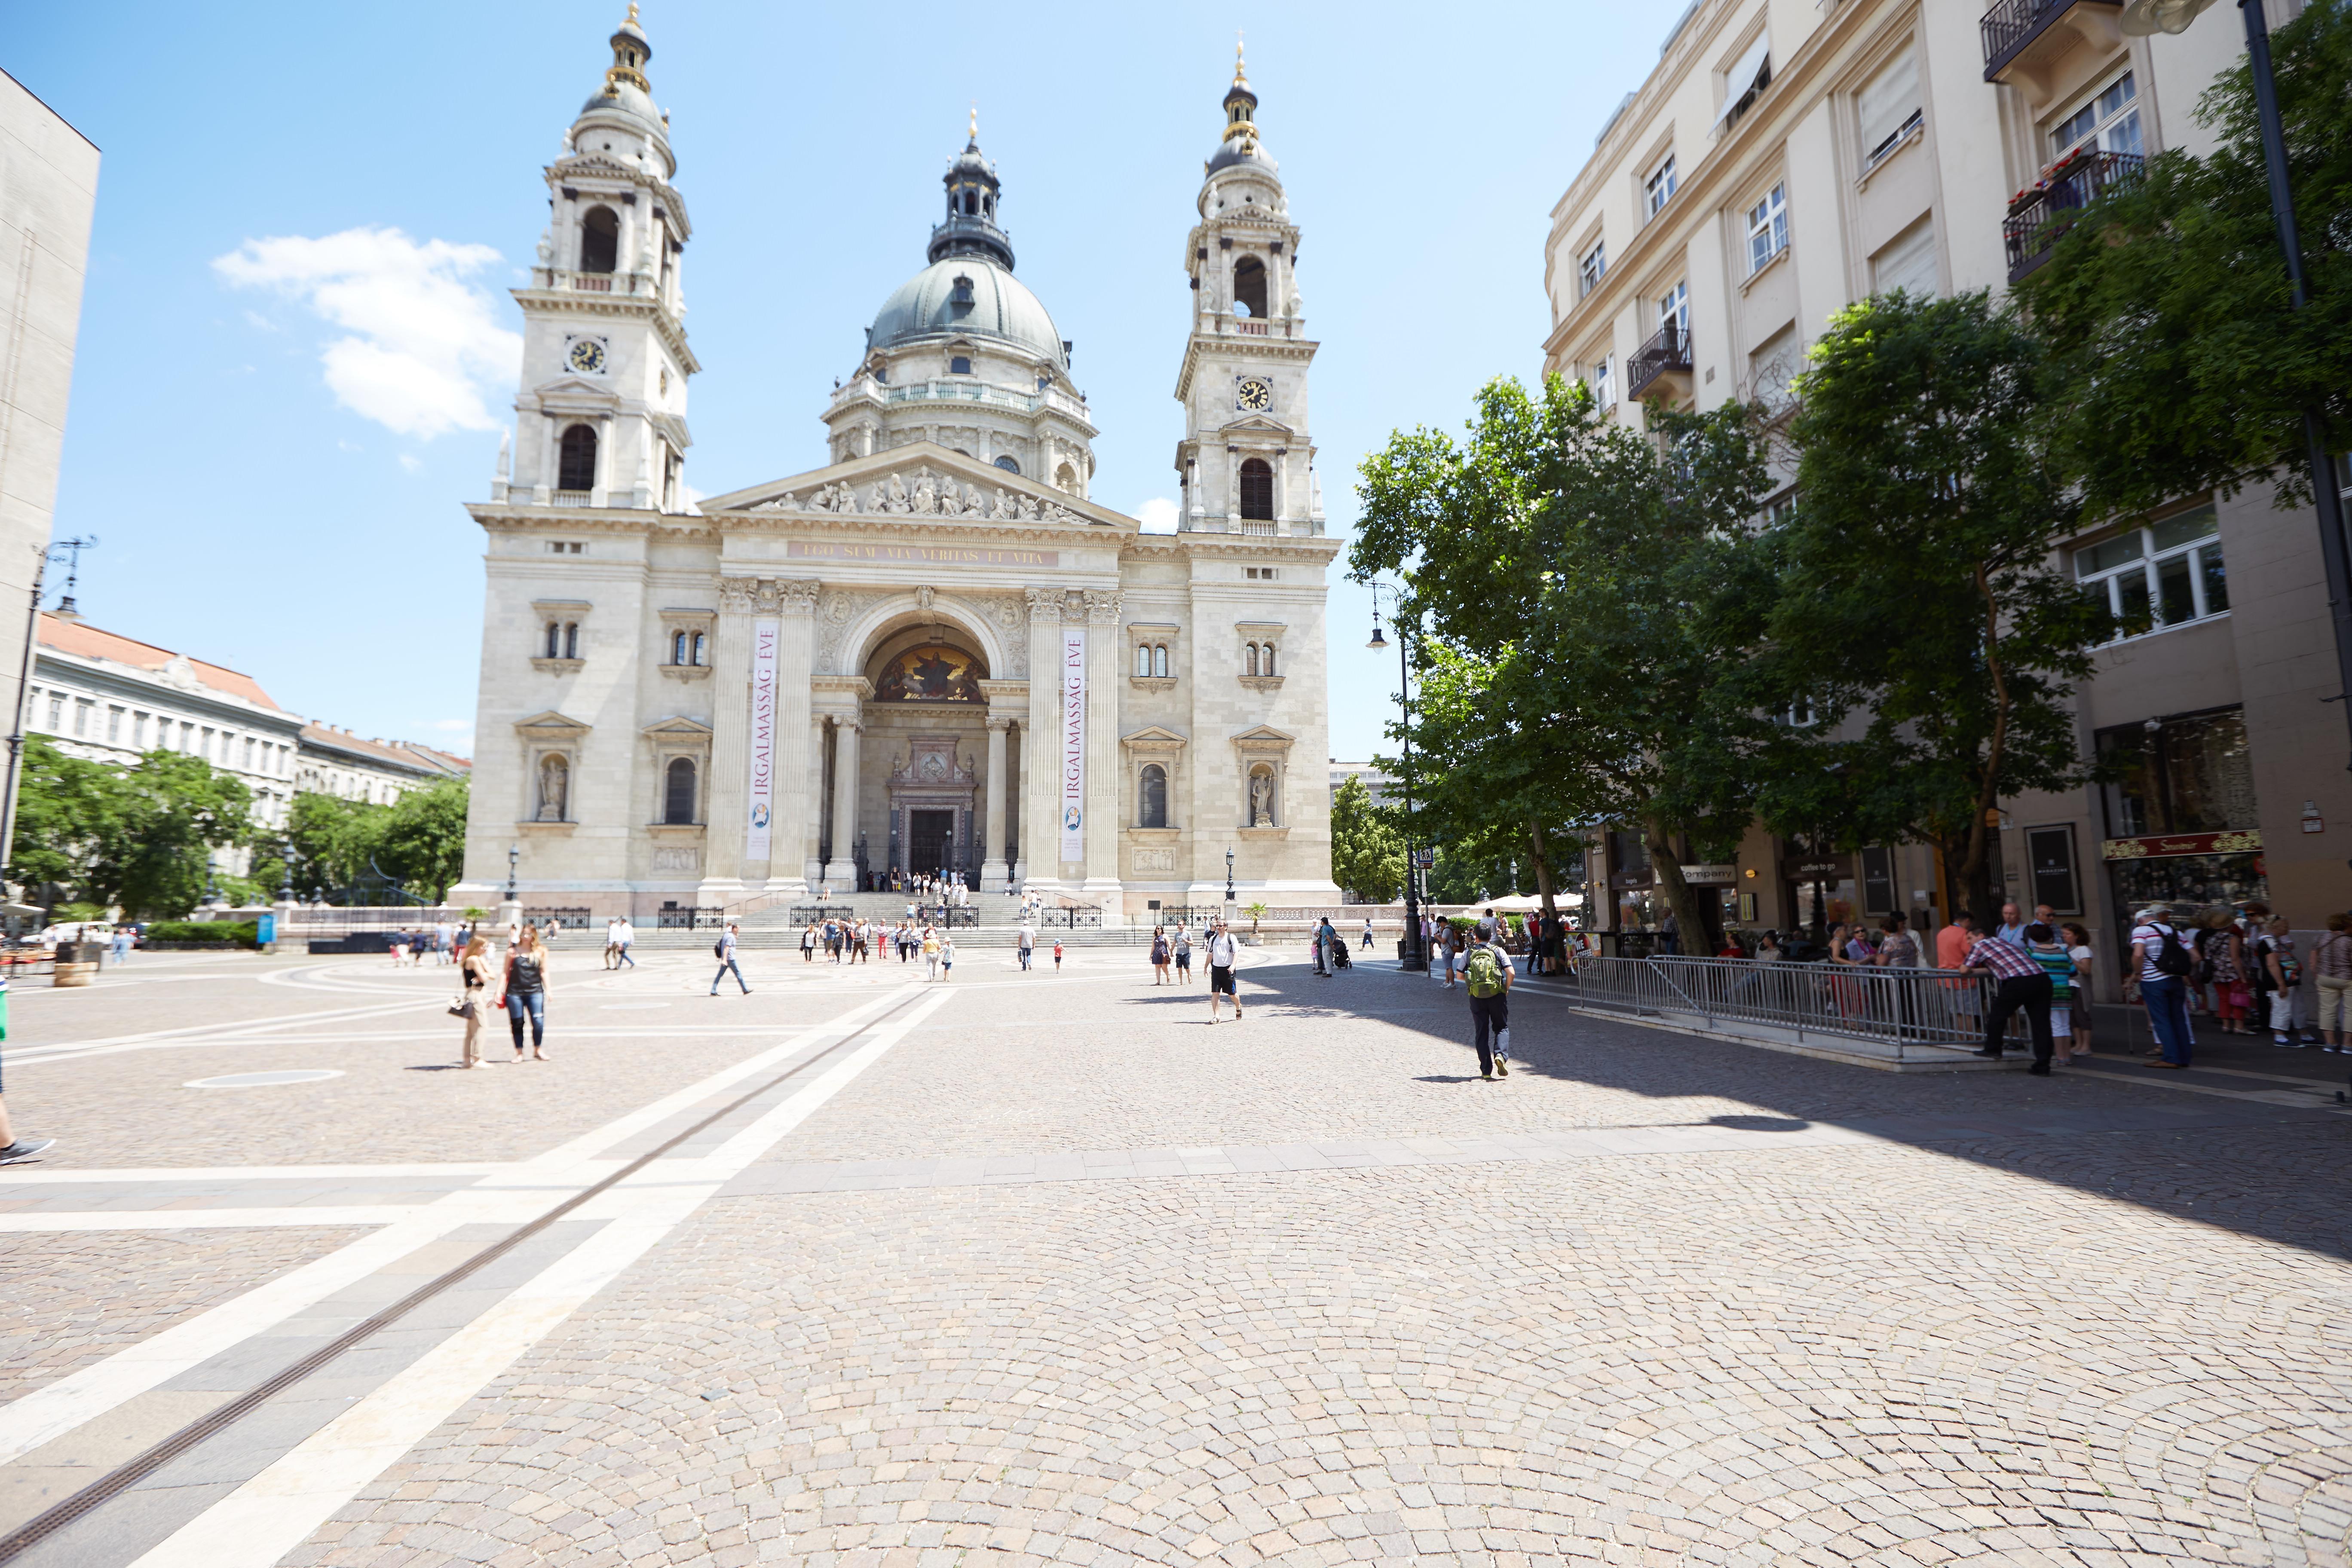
2142	17
510	912
1414	960
1229	886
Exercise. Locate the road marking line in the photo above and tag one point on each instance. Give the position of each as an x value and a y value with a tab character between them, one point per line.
203	1219
279	1508
90	1391
18	1175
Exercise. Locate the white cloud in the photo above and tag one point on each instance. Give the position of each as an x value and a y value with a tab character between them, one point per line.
424	340
1158	515
410	463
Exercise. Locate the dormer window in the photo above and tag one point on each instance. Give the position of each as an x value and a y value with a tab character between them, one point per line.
960	295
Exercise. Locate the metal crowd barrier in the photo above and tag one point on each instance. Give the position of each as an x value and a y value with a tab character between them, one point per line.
1895	1006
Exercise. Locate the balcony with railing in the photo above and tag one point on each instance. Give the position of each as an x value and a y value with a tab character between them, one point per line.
1662	365
2020	37
2040	215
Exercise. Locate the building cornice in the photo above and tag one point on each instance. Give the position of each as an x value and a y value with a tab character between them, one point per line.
107	677
1200	345
607	307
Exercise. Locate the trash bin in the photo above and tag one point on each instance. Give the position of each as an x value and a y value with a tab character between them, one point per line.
78	961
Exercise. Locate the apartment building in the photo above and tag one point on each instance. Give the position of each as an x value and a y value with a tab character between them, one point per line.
1786	159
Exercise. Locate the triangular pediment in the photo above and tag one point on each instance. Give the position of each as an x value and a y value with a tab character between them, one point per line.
1257	425
913	481
1152	735
677	727
1262	737
551	725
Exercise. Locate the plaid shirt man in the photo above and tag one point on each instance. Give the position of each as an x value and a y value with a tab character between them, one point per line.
2004	957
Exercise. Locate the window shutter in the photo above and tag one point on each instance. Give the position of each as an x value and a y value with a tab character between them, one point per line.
1908	262
1888	99
1740	79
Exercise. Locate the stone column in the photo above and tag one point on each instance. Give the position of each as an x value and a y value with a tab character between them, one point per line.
1102	811
729	790
841	871
992	870
1282	490
791	805
1041	778
810	821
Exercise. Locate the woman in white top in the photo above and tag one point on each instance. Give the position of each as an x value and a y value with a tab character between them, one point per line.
2078	948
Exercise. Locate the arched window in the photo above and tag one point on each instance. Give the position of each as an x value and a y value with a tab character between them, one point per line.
1249	287
1152	805
1268	659
1142	658
1257	489
576	468
600	240
1249	653
1159	659
698	648
677	647
1010	465
678	795
554	788
572	640
555	639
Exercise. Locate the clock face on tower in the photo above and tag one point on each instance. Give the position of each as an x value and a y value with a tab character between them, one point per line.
1255	394
586	356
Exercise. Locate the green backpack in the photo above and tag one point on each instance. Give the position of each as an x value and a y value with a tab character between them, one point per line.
1483	970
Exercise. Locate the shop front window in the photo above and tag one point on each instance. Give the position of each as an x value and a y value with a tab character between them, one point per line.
2182	775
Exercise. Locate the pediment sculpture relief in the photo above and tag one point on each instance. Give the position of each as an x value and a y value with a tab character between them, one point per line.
921	494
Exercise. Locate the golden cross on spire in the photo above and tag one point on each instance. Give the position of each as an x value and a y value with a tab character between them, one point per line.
975	122
1240	77
632	12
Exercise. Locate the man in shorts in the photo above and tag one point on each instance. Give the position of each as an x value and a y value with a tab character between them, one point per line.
1183	954
1223	951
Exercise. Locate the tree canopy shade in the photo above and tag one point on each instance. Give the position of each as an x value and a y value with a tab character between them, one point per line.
420	839
1367	848
1589	597
2184	365
1920	595
136	838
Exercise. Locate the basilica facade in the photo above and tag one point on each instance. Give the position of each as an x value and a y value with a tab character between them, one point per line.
938	653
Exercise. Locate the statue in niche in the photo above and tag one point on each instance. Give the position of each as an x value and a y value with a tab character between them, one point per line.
1261	798
554	788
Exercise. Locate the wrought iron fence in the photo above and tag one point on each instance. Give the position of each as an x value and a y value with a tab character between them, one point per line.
2010	25
817	914
1669	351
674	917
572	918
316	918
1078	917
1900	1006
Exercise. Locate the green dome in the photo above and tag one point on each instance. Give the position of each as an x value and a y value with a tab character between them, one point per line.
1001	307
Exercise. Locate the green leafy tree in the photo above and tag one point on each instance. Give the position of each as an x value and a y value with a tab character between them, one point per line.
2185	364
1367	848
423	841
137	836
1589	595
334	840
1922	621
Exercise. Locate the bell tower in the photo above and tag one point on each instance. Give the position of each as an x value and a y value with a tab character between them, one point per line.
600	417
1247	462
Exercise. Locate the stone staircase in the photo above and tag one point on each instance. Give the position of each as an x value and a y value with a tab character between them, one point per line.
774	927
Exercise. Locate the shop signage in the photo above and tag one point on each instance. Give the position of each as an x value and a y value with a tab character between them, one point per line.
1711	875
757	836
2245	842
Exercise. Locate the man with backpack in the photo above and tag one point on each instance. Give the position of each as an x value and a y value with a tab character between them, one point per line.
1486	974
2162	961
724	948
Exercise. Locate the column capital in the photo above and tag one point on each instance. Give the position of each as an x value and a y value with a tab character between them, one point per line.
1044	606
794	596
1102	606
1000	721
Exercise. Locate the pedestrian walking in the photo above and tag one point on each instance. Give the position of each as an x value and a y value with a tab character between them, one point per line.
2331	971
1486	977
931	953
526	993
121	943
947	956
2282	973
1160	956
14	1149
2222	961
1223	953
1184	957
2163	962
399	948
1366	945
1057	955
473	997
1026	940
2020	984
613	942
2078	948
628	939
725	949
2050	951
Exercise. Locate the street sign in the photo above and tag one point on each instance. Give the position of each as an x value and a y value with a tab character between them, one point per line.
1424	858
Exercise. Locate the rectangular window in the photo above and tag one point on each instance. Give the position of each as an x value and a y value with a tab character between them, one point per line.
1658	187
2189	774
1604	394
1674	309
2108	121
1888	109
138	730
1768	228
1592	268
187	738
2050	857
2168	574
1908	265
114	726
57	712
82	706
248	753
1772	371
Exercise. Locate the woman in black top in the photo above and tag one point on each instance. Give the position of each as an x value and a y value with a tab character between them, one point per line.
527	992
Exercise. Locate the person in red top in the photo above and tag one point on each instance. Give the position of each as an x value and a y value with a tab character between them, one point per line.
2019	982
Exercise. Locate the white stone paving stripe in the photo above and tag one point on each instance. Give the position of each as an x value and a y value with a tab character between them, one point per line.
51	1410
205	1219
24	1175
279	1508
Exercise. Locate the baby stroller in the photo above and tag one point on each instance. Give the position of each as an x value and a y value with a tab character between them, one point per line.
1339	959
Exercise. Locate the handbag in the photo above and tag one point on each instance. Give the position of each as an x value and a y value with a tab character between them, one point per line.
462	1008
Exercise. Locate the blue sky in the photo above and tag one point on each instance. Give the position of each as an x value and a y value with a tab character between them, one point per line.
273	442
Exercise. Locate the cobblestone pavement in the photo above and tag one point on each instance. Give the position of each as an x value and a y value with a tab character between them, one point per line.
1044	1269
